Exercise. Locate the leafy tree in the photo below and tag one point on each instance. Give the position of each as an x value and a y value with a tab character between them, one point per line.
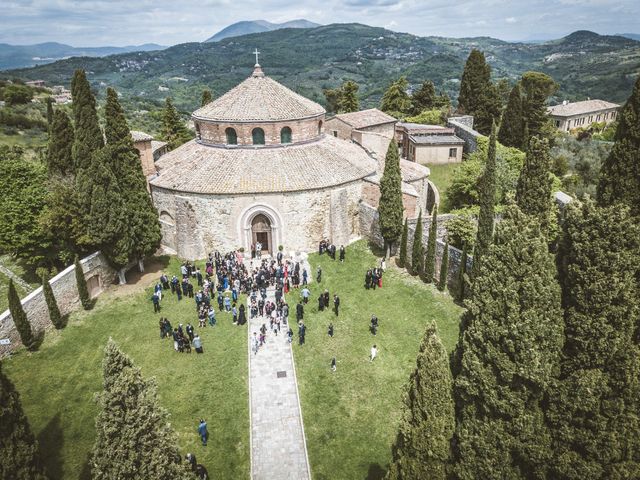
332	99
533	192
443	101
60	151
444	268
17	94
424	98
460	290
417	252
81	282
511	132
403	244
537	87
620	173
18	446
20	317
52	303
462	229
430	257
390	208
134	438
430	117
478	96
510	344
595	410
349	97
487	194
207	97
421	449
173	131
88	137
396	101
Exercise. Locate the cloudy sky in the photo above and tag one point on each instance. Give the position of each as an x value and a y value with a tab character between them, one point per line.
124	22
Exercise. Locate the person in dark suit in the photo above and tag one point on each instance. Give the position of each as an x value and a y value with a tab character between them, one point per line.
321	303
336	304
299	311
342	253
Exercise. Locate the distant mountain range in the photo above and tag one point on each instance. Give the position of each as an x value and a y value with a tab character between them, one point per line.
258	26
585	64
632	36
20	56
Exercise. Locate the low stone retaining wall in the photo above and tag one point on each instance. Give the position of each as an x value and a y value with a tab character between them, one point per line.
98	274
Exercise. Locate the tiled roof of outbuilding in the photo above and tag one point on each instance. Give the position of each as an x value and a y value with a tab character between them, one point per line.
324	163
140	136
365	118
259	99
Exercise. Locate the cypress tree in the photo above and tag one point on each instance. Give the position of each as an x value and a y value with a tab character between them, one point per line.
20	317
478	96
49	113
81	283
174	131
116	129
403	244
60	151
18	446
460	285
487	200
510	351
424	98
390	208
430	257
533	191
444	268
396	101
349	97
619	180
537	87
421	449
511	132
88	137
134	438
52	303
417	252
207	97
595	411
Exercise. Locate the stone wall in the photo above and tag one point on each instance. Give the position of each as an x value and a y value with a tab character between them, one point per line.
146	157
465	132
98	274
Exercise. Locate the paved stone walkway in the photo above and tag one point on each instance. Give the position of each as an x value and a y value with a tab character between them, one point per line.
278	448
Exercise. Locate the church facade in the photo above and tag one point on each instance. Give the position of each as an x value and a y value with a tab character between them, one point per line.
261	169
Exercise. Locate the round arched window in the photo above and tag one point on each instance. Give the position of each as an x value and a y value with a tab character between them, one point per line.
232	136
258	136
285	135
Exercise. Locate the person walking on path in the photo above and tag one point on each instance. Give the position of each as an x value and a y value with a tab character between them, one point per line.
336	304
342	253
302	330
155	298
318	274
299	312
202	431
255	343
374	353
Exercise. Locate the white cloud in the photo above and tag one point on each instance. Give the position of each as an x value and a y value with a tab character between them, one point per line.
510	20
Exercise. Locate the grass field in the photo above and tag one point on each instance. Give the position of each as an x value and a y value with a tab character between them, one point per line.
351	416
58	382
441	176
18	269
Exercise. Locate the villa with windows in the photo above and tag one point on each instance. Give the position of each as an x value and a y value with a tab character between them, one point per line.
570	115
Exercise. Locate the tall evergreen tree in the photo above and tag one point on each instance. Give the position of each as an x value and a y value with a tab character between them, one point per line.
424	98
207	97
173	131
332	99
487	200
511	132
619	180
52	303
478	96
349	97
116	129
395	100
510	351
537	87
430	257
403	244
18	446
20	317
60	151
88	137
444	268
417	252
421	449
533	191
81	283
134	438
390	208
460	290
595	411
49	112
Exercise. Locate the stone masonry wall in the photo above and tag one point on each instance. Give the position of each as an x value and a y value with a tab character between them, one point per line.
465	132
98	274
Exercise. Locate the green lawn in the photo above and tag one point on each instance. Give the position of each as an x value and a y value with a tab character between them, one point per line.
351	416
441	176
57	383
18	269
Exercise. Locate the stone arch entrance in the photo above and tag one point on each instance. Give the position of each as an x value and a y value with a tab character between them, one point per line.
261	232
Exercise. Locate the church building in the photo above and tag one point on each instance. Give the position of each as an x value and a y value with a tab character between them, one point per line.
262	169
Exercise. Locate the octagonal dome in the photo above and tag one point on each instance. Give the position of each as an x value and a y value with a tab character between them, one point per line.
259	99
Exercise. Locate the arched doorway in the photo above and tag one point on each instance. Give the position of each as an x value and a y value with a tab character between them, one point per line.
261	232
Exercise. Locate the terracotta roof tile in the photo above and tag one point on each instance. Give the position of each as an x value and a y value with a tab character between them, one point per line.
365	118
580	108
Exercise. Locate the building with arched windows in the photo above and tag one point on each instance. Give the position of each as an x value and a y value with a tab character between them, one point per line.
261	169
